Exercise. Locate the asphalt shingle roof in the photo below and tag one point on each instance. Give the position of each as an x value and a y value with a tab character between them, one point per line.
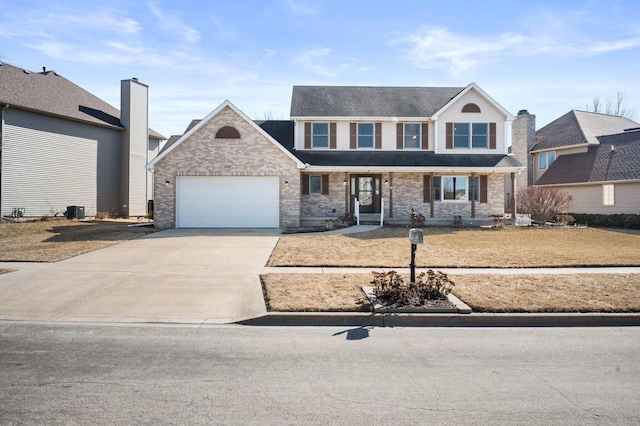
360	101
283	132
50	93
600	163
579	127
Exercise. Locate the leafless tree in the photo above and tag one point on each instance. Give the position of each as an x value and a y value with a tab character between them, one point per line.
612	106
542	203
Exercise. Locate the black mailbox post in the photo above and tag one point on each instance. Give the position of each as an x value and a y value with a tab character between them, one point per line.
416	236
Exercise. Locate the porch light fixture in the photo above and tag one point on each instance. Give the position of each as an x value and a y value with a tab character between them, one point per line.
286	183
344	182
167	183
386	181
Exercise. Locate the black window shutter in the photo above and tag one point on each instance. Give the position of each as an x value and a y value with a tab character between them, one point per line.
449	136
426	189
483	189
305	184
307	135
325	184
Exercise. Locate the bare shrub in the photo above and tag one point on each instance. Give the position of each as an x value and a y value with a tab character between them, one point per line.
543	204
102	215
391	288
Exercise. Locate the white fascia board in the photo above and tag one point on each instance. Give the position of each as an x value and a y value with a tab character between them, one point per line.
562	148
400	169
602	182
212	114
362	118
474	86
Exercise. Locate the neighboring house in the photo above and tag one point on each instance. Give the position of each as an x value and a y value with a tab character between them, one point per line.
439	151
62	146
593	157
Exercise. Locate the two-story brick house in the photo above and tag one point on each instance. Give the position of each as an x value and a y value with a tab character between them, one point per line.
383	151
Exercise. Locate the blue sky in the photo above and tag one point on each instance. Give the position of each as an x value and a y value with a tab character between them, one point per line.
545	56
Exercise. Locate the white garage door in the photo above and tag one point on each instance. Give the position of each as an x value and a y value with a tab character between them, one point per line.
227	202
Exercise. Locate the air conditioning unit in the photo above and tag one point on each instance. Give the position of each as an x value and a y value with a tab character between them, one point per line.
75	212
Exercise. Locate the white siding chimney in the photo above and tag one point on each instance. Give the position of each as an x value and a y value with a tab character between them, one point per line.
134	116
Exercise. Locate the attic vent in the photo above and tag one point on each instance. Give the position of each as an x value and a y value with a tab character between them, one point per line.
228	132
26	72
471	107
632	129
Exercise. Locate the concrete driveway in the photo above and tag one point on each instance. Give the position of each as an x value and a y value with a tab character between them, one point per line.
178	275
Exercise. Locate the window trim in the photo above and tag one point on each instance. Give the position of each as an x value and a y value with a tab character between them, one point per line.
436	186
373	136
546	156
608	194
328	135
418	136
471	134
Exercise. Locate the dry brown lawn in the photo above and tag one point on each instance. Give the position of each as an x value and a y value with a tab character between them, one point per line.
448	247
54	240
483	293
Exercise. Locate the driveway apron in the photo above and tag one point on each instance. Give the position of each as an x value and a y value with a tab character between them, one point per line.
177	275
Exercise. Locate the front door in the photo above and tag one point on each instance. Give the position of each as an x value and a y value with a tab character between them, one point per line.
367	190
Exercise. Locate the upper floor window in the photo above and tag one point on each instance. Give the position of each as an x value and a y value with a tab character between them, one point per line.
412	136
365	135
471	107
320	135
228	132
470	135
546	159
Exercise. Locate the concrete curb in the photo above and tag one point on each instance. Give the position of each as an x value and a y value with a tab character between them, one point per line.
364	319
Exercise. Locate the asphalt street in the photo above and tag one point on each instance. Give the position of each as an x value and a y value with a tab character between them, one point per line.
239	375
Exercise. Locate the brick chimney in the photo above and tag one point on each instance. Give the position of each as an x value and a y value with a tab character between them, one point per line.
134	116
523	139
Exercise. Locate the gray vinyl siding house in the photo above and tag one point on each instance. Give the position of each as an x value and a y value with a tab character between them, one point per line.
595	158
61	146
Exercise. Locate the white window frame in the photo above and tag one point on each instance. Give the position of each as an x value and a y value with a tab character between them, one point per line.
608	194
549	158
419	136
311	178
466	179
313	134
470	135
373	136
458	179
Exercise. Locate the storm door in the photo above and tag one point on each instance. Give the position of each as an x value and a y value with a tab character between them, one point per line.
366	189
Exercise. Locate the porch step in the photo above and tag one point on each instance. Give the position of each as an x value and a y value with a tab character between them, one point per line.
369	218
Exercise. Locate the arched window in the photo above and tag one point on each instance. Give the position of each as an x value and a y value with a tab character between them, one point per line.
471	108
228	132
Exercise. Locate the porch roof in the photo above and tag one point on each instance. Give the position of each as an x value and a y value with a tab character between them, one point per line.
405	159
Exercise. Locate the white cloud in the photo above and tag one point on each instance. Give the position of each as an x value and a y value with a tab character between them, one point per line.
302	8
171	22
318	60
438	47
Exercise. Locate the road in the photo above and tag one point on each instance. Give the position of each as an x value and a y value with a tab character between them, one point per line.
235	375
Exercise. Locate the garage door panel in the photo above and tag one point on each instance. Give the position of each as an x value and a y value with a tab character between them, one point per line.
227	201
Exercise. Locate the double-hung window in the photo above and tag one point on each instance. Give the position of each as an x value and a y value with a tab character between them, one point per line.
365	135
320	135
412	136
470	135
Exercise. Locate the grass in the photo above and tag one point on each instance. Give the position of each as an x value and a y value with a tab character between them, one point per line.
58	239
483	293
389	247
450	248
